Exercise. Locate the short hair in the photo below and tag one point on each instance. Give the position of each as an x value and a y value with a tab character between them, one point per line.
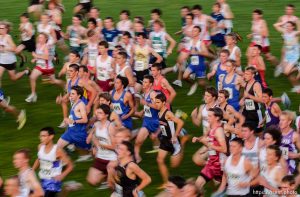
106	96
75	53
25	152
197	27
141	34
249	125
140	19
258	11
268	91
74	66
218	112
212	91
150	78
185	7
162	97
104	43
156	11
123	80
95	8
277	151
84	68
291	6
49	130
159	22
292	23
90	33
290	179
259	47
78	16
129	146
275	133
109	18
15	178
140	22
92	20
78	89
232	62
191	15
217	4
177	180
25	14
225	51
105	108
157	65
127	34
197	7
251	69
225	92
291	115
127	12
123	54
238	140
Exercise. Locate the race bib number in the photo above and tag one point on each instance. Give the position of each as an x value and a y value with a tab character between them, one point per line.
257	39
195	60
158	48
249	104
119	190
268	118
73	42
163	130
230	92
45	169
117	108
147	111
220	79
71	118
111	46
285	152
101	74
139	65
211	151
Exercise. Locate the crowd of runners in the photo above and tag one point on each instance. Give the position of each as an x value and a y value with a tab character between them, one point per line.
115	73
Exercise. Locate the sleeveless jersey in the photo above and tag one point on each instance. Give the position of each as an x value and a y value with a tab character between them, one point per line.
234	93
50	167
120	71
150	114
24	28
270	118
157	86
42	63
214	157
78	127
251	105
270	176
287	145
291	47
46	30
92	54
121	109
262	160
196	59
6	57
111	36
232	53
257	38
235	175
202	23
103	68
24	187
103	137
167	127
252	154
141	57
220	74
74	37
159	42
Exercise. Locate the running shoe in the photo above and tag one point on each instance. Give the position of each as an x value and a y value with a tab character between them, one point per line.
84	158
22	119
286	101
32	98
278	71
193	89
62	125
177	83
104	185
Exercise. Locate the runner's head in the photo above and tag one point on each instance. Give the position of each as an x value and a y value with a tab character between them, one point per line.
109	22
248	129
196	31
94	13
273	154
210	95
286	119
21	158
189	18
138	26
249	73
92	24
291	26
288	185
197	10
236	146
42	38
272	135
124	15
103	47
174	185
230	66
105	98
121	83
77	19
223	96
156	14
24	18
256	50
74	57
190	189
215	114
257	14
76	93
148	82
216	7
141	38
125	150
73	71
290	9
46	135
267	95
184	11
121	58
126	37
224	54
44	19
232	38
155	69
103	112
12	186
160	100
83	72
158	25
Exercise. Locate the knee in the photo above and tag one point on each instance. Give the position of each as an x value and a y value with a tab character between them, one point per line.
160	160
91	181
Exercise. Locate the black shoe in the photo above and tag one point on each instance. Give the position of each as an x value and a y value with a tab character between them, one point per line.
23	60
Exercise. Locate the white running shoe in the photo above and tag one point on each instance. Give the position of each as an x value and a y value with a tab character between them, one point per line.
62	125
296	89
193	76
286	101
22	119
193	89
178	83
83	158
72	185
278	71
103	186
32	98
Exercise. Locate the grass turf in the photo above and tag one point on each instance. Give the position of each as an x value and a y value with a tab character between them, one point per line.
46	113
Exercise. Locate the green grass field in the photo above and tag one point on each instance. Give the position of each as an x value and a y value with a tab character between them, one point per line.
46	113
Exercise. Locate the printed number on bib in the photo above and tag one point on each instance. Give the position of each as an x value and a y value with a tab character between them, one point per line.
195	60
119	190
163	130
158	48
117	108
45	169
71	118
249	104
230	92
73	42
139	65
147	111
268	118
285	152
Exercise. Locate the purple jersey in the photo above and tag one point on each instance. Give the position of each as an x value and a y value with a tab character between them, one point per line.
287	146
270	118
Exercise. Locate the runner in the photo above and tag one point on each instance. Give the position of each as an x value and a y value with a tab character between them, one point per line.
74	58
83	7
29	184
110	34
228	15
20	115
95	14
154	15
91	52
51	161
7	54
12	186
231	40
217	31
35	7
168	137
128	172
127	44
289	15
125	23
288	186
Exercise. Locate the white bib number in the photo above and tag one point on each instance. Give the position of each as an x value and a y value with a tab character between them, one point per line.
73	42
117	108
211	151
101	74
285	152
195	60
268	118
221	77
163	130
249	104
111	46
147	111
118	190
71	118
139	65
45	169
230	92
158	48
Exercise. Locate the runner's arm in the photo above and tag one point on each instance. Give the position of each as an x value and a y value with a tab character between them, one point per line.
172	44
145	178
179	123
68	165
167	86
35	185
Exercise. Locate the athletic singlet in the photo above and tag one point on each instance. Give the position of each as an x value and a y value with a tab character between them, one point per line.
6	57
202	23
252	154
214	157
120	71
24	187
124	185
92	54
74	37
141	57
167	127
103	68
157	86
262	160
159	42
220	74
46	30
271	119
111	36
104	138
78	127
257	38
204	115
24	28
124	26
287	145
50	167
270	176
291	47
150	114
236	174
232	55
286	18
228	22
234	93
70	84
42	63
120	108
251	105
196	59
